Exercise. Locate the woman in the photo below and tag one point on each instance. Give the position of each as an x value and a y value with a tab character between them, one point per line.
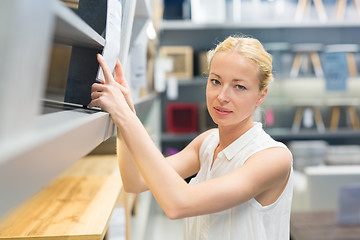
243	186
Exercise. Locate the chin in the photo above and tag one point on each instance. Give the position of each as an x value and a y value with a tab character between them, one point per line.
222	123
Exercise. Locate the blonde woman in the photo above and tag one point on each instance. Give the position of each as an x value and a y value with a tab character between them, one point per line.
243	186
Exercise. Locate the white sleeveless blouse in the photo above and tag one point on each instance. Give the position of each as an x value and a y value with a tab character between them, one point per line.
247	221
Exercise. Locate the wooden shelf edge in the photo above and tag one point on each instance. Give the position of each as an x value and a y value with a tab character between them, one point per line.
76	205
54	143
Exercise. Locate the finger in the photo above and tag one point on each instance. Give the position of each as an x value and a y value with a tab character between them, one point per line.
96	95
106	70
118	69
101	81
97	87
94	103
124	89
125	92
120	78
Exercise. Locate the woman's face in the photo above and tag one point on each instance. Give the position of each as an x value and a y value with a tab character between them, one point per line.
232	92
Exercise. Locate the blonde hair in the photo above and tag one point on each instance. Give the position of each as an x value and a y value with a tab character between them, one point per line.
249	48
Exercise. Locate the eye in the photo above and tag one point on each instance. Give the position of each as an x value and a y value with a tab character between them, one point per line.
240	87
215	82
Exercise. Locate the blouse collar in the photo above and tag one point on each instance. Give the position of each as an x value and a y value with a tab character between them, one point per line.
236	146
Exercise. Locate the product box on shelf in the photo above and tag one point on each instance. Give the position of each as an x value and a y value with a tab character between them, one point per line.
182	118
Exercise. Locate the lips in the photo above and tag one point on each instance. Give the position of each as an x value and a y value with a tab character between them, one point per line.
222	111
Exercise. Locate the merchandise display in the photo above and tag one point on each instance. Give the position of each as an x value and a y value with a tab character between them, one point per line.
51	140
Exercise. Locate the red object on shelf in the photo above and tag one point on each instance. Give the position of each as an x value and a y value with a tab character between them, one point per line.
182	117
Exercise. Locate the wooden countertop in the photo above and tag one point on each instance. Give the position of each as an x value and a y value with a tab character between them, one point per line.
321	225
75	206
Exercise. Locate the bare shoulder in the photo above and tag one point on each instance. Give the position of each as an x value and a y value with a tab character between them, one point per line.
271	166
273	156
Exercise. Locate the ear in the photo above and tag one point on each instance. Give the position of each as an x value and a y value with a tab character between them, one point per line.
262	97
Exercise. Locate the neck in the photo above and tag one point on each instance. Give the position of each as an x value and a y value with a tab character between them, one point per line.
228	134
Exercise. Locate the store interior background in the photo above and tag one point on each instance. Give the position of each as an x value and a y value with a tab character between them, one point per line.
314	112
313	104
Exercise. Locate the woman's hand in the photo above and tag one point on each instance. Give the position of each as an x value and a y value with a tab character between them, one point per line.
112	95
120	79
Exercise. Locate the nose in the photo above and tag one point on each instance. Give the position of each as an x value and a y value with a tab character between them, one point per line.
224	95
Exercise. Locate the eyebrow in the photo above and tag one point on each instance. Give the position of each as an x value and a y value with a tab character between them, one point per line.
233	80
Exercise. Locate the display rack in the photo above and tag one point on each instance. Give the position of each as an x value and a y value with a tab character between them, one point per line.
36	147
206	36
283	91
190	25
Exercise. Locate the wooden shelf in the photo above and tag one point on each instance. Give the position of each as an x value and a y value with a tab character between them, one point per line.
320	225
77	205
36	148
54	143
